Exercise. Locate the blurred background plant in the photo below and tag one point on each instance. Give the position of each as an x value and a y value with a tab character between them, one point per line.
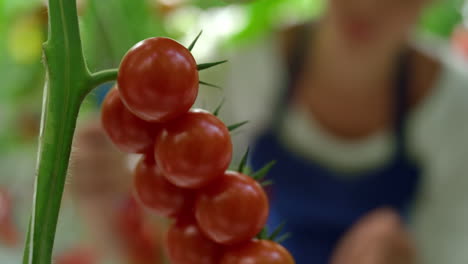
109	29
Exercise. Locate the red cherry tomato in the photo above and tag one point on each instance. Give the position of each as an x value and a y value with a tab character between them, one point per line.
128	132
194	149
232	210
158	194
158	79
258	252
187	245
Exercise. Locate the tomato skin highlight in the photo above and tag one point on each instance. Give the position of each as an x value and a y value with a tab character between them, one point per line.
233	209
186	244
156	193
128	132
194	149
258	252
158	79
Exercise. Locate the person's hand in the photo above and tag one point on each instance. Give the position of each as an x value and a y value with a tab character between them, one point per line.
378	238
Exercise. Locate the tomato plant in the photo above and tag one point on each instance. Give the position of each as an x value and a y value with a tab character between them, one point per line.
187	244
157	193
258	252
157	85
232	210
194	149
128	132
158	79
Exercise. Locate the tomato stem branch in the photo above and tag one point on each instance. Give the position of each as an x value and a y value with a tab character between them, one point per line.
101	77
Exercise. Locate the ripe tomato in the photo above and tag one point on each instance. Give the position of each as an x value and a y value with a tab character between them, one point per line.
258	252
187	245
194	149
128	132
232	210
129	218
158	79
156	193
143	247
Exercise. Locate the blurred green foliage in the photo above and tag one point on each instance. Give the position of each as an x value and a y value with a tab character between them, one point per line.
442	17
263	15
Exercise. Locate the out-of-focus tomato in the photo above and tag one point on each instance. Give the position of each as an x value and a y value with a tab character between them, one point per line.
158	79
233	209
187	245
194	149
258	252
156	193
460	40
128	132
138	239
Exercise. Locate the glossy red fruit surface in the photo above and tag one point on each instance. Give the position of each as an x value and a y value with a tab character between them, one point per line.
158	79
194	149
233	209
128	132
187	245
258	252
156	193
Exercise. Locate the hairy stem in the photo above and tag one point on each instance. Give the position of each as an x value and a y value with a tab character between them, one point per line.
68	82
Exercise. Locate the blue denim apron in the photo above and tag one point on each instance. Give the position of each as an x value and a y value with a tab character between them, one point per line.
320	204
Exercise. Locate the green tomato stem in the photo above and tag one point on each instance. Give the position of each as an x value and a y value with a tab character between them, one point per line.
101	77
68	82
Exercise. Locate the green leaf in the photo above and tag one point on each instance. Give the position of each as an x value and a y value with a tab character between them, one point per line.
209	84
266	183
243	161
260	174
218	108
263	234
277	231
236	126
205	66
283	238
194	42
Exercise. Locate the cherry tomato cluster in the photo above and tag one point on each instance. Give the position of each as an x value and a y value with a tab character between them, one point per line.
183	174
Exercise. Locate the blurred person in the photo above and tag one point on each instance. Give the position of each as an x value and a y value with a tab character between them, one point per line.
100	186
370	134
